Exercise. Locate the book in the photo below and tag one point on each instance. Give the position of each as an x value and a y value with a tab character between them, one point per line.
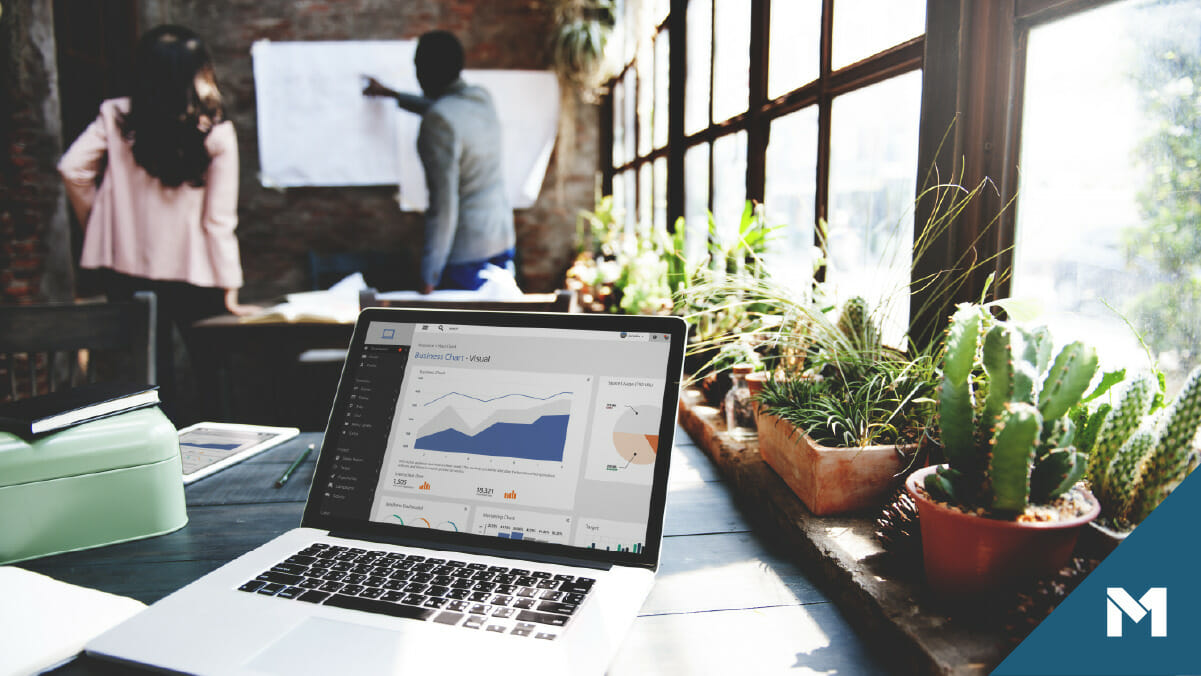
59	410
46	622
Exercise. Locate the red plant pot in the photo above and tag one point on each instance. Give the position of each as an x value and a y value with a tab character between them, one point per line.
969	556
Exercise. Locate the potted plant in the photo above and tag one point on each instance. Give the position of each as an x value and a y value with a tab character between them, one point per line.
841	432
1007	507
1139	452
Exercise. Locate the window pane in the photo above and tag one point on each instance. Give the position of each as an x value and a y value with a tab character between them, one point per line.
630	113
619	127
619	195
1108	204
873	165
660	207
646	98
645	197
731	58
700	50
729	182
794	45
696	199
662	43
791	184
629	212
866	27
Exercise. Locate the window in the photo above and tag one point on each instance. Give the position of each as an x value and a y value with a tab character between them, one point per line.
1109	195
873	172
815	126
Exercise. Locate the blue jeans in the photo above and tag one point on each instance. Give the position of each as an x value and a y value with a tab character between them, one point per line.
467	275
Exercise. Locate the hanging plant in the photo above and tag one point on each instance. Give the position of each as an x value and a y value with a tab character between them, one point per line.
582	29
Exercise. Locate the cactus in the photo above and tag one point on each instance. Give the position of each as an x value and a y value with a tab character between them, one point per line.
1004	451
1119	424
1153	452
856	324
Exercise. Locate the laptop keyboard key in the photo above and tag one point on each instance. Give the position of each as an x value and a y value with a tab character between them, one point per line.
580	586
556	607
542	618
280	578
313	596
474	622
377	606
448	617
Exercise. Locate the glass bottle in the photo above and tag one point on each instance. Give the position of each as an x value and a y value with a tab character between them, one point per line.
738	404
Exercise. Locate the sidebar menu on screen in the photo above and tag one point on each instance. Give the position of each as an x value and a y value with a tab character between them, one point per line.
360	430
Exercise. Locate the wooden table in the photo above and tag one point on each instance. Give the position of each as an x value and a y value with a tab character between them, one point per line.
725	601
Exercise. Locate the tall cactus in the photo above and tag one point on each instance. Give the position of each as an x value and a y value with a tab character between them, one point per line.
1119	424
1003	451
1172	457
1138	459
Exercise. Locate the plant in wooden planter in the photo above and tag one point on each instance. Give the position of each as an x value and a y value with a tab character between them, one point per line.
1007	508
841	433
1138	455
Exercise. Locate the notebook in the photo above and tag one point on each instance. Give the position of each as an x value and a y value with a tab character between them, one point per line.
489	496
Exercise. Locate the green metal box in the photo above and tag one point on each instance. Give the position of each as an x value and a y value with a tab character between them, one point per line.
107	481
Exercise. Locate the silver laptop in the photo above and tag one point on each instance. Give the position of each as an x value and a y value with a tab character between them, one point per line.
489	496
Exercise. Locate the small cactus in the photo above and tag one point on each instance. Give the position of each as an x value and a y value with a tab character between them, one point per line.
856	324
1152	458
1004	449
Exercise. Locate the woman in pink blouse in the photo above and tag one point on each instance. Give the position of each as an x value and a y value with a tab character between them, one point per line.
163	216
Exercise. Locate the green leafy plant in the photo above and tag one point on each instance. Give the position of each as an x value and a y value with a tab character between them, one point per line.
1004	409
855	392
1138	455
622	269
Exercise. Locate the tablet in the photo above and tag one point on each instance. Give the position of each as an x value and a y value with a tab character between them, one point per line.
209	447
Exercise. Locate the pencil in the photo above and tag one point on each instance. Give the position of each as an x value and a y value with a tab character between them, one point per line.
283	478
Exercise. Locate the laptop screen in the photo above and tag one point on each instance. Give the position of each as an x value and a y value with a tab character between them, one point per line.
518	432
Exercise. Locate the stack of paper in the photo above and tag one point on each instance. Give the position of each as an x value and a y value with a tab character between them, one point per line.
45	622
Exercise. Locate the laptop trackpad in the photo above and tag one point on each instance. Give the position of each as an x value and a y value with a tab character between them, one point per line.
320	646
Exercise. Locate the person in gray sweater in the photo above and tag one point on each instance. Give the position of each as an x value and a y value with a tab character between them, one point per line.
469	221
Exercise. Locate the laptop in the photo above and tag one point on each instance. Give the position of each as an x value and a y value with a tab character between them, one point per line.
488	498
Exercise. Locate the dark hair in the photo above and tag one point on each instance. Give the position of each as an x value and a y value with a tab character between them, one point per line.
168	117
439	58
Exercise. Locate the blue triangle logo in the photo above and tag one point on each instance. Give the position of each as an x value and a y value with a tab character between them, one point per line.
1137	613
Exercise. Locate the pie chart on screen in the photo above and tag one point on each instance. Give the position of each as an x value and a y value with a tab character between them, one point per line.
636	434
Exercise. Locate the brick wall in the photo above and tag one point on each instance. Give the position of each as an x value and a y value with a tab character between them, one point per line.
32	223
277	228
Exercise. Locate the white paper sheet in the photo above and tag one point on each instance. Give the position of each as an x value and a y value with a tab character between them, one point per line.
316	128
45	622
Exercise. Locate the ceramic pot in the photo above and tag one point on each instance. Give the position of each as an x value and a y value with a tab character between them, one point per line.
968	556
827	479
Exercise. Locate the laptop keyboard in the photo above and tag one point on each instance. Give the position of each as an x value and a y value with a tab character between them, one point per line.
504	600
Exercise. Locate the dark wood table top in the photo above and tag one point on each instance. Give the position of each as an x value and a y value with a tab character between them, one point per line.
725	599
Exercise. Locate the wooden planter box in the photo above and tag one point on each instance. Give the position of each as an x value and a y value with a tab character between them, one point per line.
829	480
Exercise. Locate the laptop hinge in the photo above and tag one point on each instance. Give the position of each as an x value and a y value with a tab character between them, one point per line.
522	556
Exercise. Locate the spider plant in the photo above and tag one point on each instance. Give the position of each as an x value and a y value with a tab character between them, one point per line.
860	396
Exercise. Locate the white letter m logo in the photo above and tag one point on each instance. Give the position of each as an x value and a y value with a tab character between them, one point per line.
1153	603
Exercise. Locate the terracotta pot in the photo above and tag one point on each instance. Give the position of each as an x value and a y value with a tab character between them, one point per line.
968	556
755	381
1098	541
829	480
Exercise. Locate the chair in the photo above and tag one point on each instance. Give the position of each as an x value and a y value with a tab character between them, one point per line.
72	343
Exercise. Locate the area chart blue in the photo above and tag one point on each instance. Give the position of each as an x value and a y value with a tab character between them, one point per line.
542	439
